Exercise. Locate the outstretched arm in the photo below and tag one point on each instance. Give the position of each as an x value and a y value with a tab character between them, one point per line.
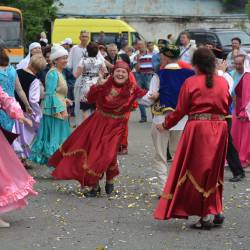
182	109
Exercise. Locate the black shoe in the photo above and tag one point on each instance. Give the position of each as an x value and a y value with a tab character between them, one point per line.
202	225
218	219
143	120
236	178
242	176
94	192
109	188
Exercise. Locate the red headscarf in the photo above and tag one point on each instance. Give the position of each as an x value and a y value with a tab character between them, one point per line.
121	64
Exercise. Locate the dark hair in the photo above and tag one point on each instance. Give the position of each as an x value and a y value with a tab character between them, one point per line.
124	45
125	58
4	58
46	50
205	60
92	49
148	43
236	39
210	43
186	34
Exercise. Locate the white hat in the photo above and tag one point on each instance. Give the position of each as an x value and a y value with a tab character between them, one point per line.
57	51
67	40
34	45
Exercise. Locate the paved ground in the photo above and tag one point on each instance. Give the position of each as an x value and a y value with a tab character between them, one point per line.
60	218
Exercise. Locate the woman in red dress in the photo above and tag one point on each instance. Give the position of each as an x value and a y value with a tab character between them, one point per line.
92	148
195	182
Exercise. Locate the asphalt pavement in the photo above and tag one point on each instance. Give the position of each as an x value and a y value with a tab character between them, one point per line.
60	217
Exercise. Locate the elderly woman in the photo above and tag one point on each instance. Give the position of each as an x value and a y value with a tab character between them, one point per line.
54	127
194	185
31	87
34	48
92	148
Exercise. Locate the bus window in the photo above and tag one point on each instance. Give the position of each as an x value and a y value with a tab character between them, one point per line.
109	37
125	36
136	36
10	29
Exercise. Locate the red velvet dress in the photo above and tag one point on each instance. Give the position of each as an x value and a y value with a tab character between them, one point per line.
124	140
91	150
194	185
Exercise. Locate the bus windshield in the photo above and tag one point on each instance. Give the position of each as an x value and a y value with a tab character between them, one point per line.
10	29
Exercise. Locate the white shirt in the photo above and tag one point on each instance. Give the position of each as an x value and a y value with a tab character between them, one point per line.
76	54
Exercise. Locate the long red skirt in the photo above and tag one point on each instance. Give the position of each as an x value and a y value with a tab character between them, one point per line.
195	182
124	139
90	151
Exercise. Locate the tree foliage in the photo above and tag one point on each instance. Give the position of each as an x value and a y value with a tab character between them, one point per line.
37	15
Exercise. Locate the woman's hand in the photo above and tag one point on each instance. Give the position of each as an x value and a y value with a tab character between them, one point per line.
26	121
101	80
64	114
28	110
160	127
154	96
68	102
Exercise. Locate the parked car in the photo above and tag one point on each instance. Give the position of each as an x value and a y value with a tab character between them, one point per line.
221	38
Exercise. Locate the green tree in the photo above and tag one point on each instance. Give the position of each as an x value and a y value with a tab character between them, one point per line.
37	15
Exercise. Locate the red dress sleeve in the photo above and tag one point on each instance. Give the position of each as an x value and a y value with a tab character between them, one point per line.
139	92
92	96
182	108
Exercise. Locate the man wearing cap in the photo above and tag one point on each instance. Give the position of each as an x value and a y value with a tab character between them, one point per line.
167	82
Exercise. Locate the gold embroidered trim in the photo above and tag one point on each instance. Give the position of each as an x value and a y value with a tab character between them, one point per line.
85	165
114	92
111	115
188	175
167	196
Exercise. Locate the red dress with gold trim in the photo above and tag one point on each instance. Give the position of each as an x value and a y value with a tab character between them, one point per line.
91	150
194	184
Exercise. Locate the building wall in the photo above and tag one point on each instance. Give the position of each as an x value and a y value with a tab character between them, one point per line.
142	7
155	28
156	18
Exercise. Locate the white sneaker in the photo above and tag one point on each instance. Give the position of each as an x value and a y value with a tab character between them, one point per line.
4	224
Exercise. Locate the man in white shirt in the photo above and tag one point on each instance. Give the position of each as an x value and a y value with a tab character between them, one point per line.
236	50
187	48
173	76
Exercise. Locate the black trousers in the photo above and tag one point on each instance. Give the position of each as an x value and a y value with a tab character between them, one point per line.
232	154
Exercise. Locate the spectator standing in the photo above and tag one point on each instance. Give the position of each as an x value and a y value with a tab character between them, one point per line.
187	48
144	72
236	50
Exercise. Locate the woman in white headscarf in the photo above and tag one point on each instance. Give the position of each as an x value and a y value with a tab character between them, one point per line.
241	117
54	127
34	48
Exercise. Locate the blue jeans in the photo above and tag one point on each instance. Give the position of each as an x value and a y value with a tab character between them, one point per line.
143	81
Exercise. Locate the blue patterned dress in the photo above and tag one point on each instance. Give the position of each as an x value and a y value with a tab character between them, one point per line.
7	82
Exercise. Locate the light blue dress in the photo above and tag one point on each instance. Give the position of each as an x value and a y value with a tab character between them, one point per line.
7	82
53	130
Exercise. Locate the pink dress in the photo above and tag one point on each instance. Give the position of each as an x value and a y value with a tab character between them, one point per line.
15	183
241	127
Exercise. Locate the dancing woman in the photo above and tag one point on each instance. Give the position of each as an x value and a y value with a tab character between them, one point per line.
195	182
91	150
15	183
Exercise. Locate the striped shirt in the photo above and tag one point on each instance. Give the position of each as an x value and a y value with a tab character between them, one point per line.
145	62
